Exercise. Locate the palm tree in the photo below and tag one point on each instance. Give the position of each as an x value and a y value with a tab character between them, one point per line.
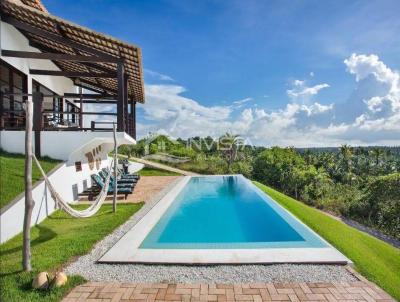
229	145
377	153
346	151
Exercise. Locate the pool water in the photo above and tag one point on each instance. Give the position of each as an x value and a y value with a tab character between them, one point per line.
227	212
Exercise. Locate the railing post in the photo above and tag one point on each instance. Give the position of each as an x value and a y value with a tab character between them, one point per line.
115	170
37	98
133	119
81	108
92	125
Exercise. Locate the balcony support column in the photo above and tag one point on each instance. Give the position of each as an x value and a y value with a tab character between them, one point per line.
37	98
120	98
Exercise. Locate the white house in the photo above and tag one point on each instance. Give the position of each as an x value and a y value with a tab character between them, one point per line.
80	82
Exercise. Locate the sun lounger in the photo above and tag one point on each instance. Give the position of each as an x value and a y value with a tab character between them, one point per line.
122	182
120	190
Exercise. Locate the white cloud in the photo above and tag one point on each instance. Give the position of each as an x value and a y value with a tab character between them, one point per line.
240	102
298	123
303	93
384	108
316	108
364	65
158	76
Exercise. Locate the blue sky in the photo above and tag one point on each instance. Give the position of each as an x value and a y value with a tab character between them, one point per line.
284	59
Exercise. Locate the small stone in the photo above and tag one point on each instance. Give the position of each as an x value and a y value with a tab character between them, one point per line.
59	280
41	281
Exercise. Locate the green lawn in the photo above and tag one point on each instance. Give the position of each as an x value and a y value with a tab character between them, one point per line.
156	172
376	260
12	169
55	241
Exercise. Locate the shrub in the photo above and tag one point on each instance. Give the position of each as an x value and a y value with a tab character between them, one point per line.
380	204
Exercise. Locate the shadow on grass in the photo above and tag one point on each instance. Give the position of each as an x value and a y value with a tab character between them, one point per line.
45	234
72	218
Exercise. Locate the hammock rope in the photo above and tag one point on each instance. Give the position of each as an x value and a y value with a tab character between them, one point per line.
91	210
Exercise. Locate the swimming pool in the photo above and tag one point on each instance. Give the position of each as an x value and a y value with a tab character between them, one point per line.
227	212
220	219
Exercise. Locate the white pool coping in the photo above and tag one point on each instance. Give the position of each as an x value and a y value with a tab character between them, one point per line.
127	250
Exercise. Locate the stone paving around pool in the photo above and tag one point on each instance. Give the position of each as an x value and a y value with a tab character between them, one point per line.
343	291
145	189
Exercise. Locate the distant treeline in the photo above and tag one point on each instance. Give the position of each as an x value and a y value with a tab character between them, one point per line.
395	150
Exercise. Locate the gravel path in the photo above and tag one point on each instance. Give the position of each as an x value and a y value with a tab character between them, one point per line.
87	267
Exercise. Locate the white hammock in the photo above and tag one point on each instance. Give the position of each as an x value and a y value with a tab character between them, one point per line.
90	211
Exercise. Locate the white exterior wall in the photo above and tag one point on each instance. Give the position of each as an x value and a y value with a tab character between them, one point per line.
69	146
63	145
67	181
63	179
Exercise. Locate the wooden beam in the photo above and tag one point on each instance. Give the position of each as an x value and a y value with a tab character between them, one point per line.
82	113
96	101
55	56
89	96
98	67
134	120
51	36
120	98
81	108
72	74
45	48
83	83
89	86
126	114
37	98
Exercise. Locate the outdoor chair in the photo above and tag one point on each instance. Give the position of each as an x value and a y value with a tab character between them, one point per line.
120	190
124	174
122	182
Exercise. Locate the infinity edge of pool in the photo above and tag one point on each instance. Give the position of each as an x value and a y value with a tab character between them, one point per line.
133	247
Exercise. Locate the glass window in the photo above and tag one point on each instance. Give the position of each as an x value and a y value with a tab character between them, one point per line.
12	81
6	103
5	74
48	104
18	81
4	87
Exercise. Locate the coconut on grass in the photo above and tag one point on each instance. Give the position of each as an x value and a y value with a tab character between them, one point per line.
59	280
43	280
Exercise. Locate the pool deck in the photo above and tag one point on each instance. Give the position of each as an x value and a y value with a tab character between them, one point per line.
280	282
294	292
145	189
127	250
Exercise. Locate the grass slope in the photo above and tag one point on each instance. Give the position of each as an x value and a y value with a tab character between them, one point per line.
373	258
156	172
55	241
12	170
